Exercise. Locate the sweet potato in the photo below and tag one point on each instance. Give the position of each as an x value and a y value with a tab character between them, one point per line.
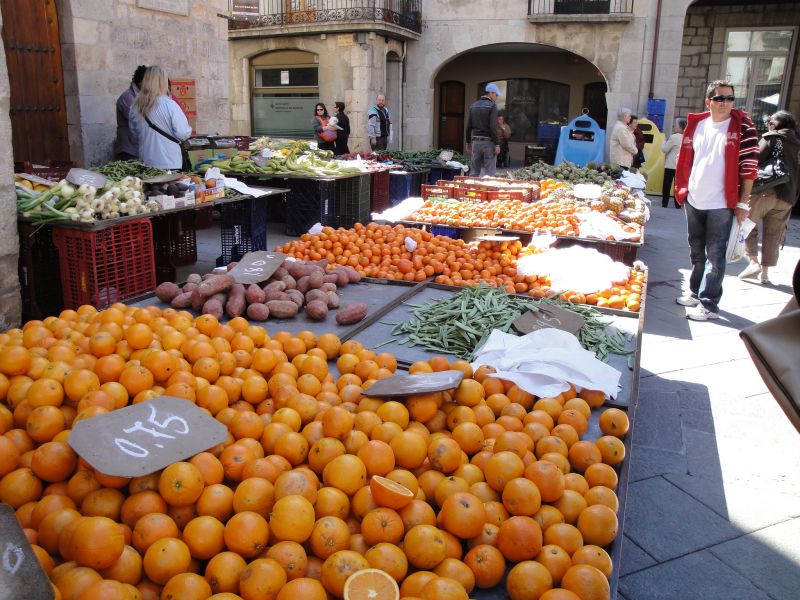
254	294
197	299
333	299
317	310
328	287
235	305
279	273
214	305
330	278
231	265
215	284
182	300
190	287
312	295
343	277
258	311
275	295
315	280
351	313
354	275
275	286
167	291
289	281
302	284
194	278
300	269
282	309
295	297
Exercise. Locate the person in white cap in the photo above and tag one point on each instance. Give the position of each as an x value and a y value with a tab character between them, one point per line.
483	145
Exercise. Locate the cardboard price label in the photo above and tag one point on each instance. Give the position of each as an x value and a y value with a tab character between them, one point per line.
81	176
143	438
256	267
551	317
421	383
21	575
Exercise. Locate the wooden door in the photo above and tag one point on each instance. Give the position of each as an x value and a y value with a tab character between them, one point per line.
33	54
451	116
300	11
594	98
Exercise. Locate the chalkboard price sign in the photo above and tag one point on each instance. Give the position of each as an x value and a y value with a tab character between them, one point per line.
419	383
145	437
21	575
549	317
256	267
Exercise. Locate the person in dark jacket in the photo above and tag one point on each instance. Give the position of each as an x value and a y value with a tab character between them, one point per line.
773	207
483	144
638	135
340	144
127	148
379	124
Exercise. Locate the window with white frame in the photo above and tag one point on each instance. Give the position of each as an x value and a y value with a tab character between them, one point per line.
757	62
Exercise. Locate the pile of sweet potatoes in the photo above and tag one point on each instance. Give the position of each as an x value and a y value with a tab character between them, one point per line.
295	285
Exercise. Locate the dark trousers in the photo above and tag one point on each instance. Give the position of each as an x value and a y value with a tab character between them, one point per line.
666	187
503	159
483	160
381	143
708	231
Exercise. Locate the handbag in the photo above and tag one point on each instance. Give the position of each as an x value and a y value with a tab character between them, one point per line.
326	134
773	172
186	163
774	346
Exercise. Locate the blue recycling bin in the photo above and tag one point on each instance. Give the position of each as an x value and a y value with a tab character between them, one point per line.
581	141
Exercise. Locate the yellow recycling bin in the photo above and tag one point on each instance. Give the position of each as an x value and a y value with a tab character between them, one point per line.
653	167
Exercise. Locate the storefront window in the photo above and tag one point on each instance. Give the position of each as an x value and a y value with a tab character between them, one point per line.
756	63
535	108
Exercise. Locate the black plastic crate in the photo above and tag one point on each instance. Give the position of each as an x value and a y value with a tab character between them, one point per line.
439	172
243	228
340	202
379	191
174	238
405	184
39	274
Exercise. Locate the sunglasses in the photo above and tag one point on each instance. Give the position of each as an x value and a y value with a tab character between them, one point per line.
722	98
320	109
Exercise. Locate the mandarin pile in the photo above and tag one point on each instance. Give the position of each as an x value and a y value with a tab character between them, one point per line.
316	481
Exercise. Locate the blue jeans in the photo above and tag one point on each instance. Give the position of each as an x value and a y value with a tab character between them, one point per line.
709	231
483	160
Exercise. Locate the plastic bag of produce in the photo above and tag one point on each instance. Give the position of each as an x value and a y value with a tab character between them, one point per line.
739	233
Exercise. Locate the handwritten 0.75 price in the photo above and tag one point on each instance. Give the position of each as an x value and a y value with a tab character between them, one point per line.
170	423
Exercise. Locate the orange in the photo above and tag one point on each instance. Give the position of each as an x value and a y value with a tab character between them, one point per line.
262	578
189	586
292	519
389	558
291	556
528	579
463	514
587	582
370	583
443	588
303	587
166	558
97	542
598	524
389	493
347	473
204	536
223	571
181	484
612	450
425	546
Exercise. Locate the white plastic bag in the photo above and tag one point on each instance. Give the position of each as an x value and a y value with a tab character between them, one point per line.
736	240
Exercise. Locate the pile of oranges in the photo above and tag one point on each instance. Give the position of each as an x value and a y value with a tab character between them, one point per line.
426	498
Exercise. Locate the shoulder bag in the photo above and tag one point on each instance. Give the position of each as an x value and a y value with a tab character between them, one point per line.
774	346
186	164
773	172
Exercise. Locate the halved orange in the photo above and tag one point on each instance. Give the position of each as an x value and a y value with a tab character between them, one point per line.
371	584
389	493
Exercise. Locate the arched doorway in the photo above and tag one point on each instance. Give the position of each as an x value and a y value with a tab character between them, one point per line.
543	88
394	100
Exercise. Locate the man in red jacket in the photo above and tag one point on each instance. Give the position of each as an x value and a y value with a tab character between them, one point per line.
717	164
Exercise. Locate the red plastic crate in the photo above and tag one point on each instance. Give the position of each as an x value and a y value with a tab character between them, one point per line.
506	195
464	194
437	191
106	266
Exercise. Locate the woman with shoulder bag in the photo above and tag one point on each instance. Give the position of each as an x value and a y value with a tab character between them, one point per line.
323	133
772	207
158	123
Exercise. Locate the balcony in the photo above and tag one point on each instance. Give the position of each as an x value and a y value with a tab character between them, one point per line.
398	19
580	11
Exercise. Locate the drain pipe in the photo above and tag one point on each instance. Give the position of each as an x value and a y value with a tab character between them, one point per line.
650	92
402	96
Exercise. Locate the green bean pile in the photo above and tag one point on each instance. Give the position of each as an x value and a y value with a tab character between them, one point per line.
461	324
120	169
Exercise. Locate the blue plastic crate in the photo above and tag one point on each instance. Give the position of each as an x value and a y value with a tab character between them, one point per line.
656	106
439	172
658	120
405	184
548	131
451	232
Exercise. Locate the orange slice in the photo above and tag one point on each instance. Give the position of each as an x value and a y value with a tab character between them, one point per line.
371	584
389	493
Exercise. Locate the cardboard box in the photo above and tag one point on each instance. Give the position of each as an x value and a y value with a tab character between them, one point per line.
183	88
214	193
199	156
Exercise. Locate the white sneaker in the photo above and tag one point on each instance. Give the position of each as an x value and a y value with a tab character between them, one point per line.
687	300
750	270
701	313
764	277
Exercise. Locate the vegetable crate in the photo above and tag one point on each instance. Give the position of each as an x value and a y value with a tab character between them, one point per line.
405	184
435	191
340	202
451	232
109	265
40	283
174	243
243	229
54	170
439	172
379	191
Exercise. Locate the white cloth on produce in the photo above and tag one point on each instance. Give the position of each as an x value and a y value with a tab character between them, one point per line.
576	268
400	211
245	189
545	362
633	180
597	225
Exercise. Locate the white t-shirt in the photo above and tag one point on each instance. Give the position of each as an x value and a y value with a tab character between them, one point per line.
707	180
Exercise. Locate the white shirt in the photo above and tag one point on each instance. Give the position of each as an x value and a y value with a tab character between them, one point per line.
154	149
707	180
670	149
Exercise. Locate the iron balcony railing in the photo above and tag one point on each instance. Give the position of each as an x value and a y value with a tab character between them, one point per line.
580	7
245	14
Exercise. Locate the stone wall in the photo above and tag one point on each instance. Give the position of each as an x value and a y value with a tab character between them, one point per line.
10	302
103	42
703	47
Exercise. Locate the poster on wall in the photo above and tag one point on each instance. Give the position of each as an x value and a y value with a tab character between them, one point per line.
244	8
283	115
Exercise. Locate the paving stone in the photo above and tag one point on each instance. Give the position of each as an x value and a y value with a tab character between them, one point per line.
658	422
648	462
666	522
747	507
633	557
696	576
769	558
